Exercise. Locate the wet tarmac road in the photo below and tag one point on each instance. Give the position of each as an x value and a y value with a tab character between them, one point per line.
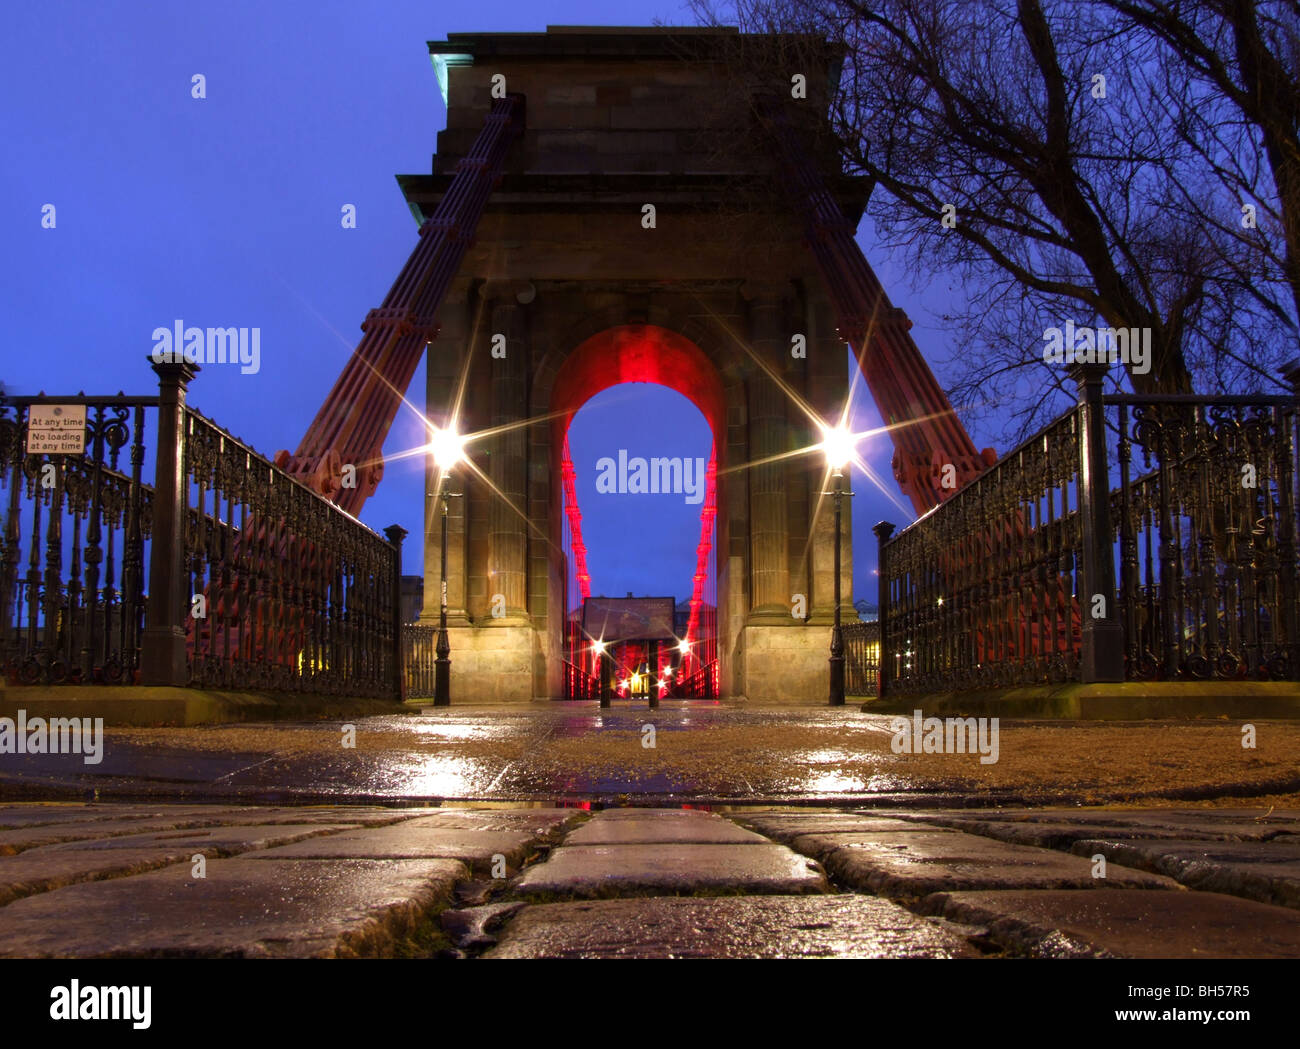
686	751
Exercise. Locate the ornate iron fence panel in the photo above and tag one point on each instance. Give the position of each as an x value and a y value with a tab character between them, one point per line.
287	591
983	589
1204	520
418	654
861	658
72	562
1185	557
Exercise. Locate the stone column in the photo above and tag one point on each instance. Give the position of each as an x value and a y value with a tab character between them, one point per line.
769	533
446	359
733	544
508	462
478	496
798	471
828	389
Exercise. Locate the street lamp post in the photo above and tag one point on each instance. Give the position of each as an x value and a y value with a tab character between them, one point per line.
606	673
837	634
447	448
442	664
652	663
838	446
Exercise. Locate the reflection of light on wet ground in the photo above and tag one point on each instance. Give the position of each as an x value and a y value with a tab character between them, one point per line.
428	727
876	723
833	779
554	752
440	777
830	782
826	757
882	784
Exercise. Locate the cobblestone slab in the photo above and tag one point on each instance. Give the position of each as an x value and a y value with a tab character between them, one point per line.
620	870
917	863
407	841
1130	923
211	841
1268	871
1247	824
728	927
1054	835
636	813
1060	828
533	821
41	870
243	909
676	826
786	826
40	814
15	841
333	814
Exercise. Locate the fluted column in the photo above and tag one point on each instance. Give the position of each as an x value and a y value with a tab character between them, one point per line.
769	531
446	359
828	390
508	463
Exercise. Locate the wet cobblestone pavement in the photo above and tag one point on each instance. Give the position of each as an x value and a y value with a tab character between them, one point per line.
529	882
699	830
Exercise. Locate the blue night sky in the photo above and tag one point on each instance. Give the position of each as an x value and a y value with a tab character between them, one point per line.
225	212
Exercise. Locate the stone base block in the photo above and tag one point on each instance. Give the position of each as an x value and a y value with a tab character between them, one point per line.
492	664
786	664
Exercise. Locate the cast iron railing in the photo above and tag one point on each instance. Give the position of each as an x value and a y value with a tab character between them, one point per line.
1205	517
72	580
418	654
288	591
224	573
580	683
700	683
1136	537
861	657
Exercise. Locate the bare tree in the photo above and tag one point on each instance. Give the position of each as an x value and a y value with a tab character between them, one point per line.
1019	144
1244	56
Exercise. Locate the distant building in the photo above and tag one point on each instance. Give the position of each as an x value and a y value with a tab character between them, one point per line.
412	597
682	615
867	612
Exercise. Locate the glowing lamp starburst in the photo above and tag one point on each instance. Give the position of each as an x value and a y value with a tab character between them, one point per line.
447	447
837	444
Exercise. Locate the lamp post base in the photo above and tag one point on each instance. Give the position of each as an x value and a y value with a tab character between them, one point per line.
836	662
442	672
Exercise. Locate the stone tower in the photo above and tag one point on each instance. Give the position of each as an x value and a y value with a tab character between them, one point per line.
708	301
